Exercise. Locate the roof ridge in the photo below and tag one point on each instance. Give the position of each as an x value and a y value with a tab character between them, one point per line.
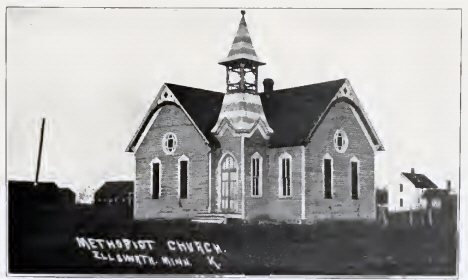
188	87
298	87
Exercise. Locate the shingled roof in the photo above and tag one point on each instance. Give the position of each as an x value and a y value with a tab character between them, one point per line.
293	112
420	181
203	107
114	189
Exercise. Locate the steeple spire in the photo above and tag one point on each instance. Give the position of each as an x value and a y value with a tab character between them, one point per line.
242	47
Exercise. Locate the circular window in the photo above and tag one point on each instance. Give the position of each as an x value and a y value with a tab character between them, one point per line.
341	141
169	143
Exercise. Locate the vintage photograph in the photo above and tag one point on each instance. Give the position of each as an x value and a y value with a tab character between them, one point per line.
234	141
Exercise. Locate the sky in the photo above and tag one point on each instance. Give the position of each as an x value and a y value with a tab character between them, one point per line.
92	73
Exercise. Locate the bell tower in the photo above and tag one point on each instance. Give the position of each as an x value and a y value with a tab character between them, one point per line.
242	108
242	63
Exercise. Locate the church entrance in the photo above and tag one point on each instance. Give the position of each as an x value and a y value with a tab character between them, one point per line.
229	190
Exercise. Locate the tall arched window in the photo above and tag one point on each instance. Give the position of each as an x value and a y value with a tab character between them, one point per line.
327	169
256	171
354	178
284	178
183	176
155	190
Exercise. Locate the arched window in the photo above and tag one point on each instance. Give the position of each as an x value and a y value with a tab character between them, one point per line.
284	178
183	176
256	171
155	178
327	169
354	178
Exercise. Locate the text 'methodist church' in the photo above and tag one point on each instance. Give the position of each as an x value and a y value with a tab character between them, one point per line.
298	155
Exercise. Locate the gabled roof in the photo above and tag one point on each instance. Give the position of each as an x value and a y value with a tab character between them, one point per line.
202	106
293	112
242	47
420	181
115	189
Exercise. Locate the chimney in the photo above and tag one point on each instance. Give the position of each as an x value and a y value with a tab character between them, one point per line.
412	170
268	85
449	185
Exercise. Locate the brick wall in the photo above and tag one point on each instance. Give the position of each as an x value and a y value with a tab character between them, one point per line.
341	205
189	143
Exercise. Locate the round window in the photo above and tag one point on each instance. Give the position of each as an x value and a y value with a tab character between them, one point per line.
341	141
169	143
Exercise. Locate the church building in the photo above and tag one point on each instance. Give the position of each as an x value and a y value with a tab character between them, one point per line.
297	155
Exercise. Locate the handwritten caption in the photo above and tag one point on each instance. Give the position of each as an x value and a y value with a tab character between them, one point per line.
123	250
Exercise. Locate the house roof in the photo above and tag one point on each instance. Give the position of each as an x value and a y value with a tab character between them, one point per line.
420	181
292	113
203	106
242	47
115	189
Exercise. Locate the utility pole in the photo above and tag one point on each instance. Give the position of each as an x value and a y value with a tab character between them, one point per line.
40	153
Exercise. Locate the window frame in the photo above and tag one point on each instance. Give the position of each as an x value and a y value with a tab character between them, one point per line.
175	142
284	155
327	157
344	140
358	169
179	182
158	161
258	157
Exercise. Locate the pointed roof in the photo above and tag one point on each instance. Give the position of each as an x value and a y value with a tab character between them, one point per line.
420	181
242	47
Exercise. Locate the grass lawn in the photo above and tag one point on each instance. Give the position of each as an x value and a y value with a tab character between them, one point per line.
42	240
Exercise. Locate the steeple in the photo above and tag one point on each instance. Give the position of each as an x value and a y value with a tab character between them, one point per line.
242	108
242	62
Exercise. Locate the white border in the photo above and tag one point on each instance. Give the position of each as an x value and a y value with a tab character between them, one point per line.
183	158
327	156
155	160
356	160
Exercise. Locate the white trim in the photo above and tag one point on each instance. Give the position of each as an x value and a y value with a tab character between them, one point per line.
218	177
327	156
255	126
353	98
280	175
354	159
209	182
155	160
171	97
303	183
243	176
183	158
363	128
148	126
260	176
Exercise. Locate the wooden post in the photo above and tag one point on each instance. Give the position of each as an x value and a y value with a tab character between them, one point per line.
40	153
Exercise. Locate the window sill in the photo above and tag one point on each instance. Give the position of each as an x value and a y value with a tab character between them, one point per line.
256	196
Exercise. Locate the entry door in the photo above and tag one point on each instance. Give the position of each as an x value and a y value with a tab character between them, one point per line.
229	193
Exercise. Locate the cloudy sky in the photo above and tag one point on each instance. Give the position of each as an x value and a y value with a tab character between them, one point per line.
92	74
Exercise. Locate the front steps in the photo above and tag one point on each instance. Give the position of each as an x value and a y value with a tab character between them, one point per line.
215	219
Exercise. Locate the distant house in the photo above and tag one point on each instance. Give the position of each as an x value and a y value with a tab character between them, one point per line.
408	194
44	193
441	204
115	193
